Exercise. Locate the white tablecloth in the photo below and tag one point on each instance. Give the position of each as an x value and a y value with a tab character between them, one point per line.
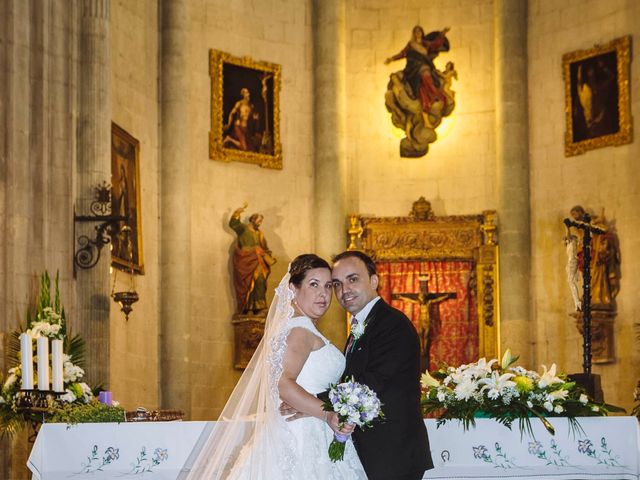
148	450
607	448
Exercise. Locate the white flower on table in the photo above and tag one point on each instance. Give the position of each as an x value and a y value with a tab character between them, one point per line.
68	397
583	399
44	329
426	380
549	377
508	359
496	384
557	395
465	389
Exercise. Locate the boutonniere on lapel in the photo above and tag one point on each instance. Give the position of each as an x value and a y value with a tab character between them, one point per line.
357	330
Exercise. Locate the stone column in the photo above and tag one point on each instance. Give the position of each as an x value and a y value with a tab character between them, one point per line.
175	249
329	33
512	154
94	167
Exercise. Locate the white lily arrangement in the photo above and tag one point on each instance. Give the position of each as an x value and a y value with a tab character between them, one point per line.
506	393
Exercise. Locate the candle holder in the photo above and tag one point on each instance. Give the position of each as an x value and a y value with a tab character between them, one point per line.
35	405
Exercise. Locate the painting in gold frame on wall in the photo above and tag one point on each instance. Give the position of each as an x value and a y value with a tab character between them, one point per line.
126	251
597	96
245	110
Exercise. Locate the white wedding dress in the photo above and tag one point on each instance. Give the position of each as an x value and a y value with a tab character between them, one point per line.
306	455
251	440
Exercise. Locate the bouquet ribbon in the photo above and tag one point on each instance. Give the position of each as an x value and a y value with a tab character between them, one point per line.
336	447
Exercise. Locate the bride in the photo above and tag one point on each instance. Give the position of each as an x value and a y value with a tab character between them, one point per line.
292	364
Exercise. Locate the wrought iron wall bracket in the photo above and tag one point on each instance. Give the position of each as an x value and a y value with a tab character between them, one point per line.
88	254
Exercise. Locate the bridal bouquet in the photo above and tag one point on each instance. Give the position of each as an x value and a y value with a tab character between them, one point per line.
506	393
354	403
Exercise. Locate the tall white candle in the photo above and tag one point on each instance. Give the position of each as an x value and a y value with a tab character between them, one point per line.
43	363
57	384
26	359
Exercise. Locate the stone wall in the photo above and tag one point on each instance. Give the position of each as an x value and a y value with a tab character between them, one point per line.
277	32
134	80
603	178
458	173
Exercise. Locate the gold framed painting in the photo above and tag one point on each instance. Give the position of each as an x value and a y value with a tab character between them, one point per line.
126	251
597	109
245	110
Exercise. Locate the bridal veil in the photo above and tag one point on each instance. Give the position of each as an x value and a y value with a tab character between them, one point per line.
250	439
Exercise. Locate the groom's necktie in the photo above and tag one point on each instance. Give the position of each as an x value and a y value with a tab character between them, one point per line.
354	320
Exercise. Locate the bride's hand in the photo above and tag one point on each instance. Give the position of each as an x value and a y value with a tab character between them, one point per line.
337	426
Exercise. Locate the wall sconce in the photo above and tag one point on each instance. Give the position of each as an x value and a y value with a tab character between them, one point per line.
126	298
88	253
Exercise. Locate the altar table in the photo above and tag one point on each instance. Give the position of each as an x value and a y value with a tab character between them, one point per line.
605	448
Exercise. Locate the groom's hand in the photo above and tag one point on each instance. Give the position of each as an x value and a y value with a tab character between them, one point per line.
291	413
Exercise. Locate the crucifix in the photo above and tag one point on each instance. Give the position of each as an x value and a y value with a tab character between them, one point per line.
588	380
427	301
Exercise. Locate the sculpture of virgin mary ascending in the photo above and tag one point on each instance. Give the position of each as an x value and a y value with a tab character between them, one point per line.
419	96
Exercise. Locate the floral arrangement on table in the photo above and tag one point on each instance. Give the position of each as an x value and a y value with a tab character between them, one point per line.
506	393
78	402
354	403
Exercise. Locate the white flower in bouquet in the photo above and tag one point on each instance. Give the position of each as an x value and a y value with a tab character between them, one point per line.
583	399
357	328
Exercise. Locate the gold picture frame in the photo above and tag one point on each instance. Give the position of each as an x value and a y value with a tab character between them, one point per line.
597	108
125	200
245	110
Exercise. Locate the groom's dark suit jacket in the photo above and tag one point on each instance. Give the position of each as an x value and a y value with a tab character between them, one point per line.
387	359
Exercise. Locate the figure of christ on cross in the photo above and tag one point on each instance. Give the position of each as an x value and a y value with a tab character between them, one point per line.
427	301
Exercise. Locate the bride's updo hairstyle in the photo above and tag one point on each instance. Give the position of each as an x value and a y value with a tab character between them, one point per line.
302	264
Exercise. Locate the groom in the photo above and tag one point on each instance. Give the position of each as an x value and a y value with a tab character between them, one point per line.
385	357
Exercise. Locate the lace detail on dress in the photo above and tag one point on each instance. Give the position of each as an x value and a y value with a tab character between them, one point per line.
278	343
277	347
